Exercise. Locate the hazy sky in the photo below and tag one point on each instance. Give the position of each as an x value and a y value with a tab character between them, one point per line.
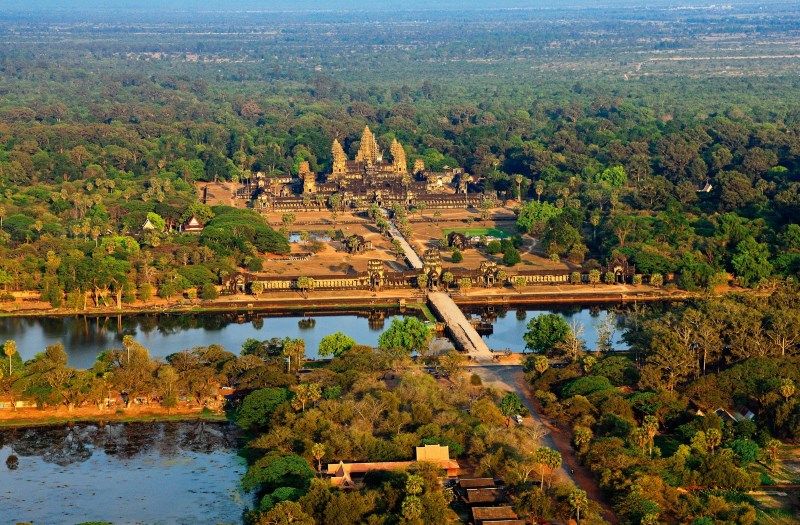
305	5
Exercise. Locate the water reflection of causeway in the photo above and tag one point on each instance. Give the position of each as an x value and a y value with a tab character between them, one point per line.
64	445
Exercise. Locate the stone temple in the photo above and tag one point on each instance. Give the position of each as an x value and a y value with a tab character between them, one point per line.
368	179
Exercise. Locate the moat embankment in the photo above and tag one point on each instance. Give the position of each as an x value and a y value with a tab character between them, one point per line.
350	300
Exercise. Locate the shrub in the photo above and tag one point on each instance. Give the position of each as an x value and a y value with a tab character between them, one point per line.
493	248
208	292
257	408
145	292
586	385
575	278
511	257
475	380
457	257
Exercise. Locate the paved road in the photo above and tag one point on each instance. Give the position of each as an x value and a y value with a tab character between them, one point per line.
512	377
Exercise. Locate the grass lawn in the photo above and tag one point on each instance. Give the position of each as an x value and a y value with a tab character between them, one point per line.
500	233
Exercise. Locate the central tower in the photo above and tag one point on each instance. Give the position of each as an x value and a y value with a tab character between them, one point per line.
368	151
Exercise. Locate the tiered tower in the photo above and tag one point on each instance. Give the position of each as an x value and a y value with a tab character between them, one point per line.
308	177
368	151
339	159
399	162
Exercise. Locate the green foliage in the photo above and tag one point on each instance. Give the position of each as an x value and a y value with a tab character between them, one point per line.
545	331
208	292
335	344
511	404
585	386
456	256
257	407
614	177
408	335
233	229
276	470
511	256
750	262
534	215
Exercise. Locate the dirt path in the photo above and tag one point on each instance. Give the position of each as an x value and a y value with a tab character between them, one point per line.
512	377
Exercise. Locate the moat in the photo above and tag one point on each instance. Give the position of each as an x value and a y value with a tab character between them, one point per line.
185	472
84	337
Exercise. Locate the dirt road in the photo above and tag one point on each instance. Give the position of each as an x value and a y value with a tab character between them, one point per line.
512	378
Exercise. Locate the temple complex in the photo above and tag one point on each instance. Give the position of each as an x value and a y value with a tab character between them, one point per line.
368	179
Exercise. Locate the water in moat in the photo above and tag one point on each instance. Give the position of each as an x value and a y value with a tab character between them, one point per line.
509	325
163	334
85	337
179	472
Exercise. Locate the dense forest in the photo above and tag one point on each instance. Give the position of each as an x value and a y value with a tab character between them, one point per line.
680	172
669	138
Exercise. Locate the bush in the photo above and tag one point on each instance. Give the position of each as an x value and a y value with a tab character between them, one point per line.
493	248
586	385
257	408
255	264
145	292
511	257
456	257
475	380
208	292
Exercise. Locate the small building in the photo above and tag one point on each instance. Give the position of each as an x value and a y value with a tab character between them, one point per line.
357	244
342	473
480	491
148	226
487	496
476	483
493	515
192	225
457	240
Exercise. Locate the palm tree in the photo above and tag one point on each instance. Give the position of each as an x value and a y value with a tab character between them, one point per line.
518	179
318	451
9	349
539	188
578	500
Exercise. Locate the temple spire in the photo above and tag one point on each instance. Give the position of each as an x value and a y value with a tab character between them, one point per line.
368	152
339	159
399	162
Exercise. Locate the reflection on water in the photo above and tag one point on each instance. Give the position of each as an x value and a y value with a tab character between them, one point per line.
185	472
510	325
85	337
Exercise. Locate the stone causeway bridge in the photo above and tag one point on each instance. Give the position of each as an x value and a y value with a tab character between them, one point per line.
464	335
460	329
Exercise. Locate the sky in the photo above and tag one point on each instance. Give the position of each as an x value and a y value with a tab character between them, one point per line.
327	5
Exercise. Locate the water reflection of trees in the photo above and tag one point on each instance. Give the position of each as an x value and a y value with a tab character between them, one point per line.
72	444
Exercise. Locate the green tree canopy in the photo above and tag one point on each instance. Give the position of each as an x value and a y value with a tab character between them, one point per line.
545	332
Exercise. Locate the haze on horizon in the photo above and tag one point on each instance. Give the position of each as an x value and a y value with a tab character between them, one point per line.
349	5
